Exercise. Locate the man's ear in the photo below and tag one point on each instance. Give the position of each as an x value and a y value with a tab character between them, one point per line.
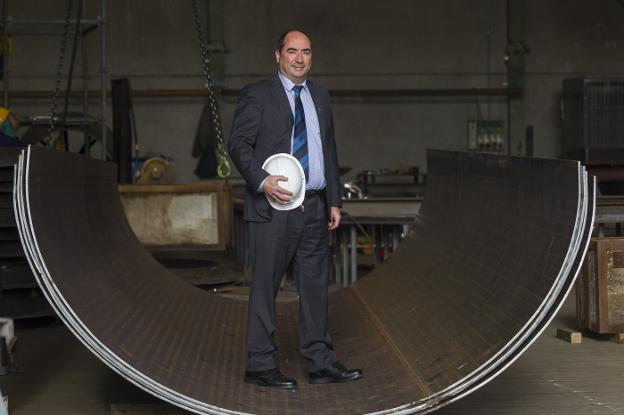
277	56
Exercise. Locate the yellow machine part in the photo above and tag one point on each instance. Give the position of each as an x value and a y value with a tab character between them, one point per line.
156	170
10	45
4	113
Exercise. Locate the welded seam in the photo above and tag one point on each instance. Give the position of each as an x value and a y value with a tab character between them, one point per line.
390	341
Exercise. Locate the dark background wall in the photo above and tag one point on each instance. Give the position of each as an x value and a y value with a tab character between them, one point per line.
392	44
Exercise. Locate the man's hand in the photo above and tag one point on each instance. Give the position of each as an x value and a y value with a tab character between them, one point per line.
273	190
334	220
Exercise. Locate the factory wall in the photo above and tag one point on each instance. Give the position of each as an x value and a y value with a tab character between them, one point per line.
367	44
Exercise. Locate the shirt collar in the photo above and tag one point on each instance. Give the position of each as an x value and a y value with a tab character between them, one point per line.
288	84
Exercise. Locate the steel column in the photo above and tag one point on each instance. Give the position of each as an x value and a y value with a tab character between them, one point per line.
514	58
103	78
216	41
84	63
5	52
353	253
345	257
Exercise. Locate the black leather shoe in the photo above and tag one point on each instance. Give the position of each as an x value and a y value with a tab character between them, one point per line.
272	378
334	374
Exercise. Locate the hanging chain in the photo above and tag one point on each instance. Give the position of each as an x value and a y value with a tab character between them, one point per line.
223	165
59	70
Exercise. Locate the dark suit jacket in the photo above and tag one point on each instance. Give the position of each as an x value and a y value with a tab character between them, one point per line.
262	126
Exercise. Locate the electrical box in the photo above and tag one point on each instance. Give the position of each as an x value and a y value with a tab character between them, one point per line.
486	135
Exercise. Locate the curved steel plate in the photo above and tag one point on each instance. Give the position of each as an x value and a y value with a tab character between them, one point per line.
489	262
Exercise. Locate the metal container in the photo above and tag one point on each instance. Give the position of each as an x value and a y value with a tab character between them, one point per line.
600	288
196	215
593	120
4	356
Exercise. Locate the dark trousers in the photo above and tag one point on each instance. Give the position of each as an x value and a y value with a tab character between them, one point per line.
301	239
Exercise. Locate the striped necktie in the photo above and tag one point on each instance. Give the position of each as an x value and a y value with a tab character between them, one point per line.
300	136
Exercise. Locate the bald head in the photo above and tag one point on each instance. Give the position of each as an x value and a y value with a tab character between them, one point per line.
282	39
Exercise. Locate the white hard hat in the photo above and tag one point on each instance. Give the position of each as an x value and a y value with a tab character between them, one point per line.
283	164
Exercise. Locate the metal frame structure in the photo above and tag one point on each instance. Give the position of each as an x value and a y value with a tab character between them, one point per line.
28	27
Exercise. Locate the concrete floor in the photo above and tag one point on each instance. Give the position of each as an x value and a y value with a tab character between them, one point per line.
57	375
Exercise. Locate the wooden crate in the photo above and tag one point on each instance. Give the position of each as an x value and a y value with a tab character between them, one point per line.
600	287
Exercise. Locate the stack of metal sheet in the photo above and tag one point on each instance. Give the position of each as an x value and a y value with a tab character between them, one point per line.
495	252
19	292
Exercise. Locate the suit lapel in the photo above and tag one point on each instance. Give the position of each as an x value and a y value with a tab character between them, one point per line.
282	139
277	90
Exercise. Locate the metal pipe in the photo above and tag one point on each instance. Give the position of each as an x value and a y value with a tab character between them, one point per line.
240	230
51	21
89	29
238	240
85	78
70	75
336	256
395	238
61	32
488	56
345	257
103	80
238	243
353	253
383	249
408	93
377	239
340	93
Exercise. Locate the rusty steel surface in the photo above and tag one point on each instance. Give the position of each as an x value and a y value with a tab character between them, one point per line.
600	287
494	251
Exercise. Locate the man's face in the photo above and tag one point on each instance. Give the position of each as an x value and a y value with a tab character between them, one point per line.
295	58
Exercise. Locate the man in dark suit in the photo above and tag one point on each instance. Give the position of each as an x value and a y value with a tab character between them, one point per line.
289	114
